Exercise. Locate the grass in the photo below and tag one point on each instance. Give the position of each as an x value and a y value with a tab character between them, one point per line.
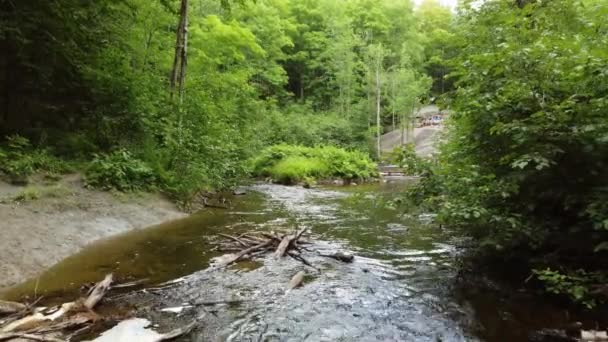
289	164
35	192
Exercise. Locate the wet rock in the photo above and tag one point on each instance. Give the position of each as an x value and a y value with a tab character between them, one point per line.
135	329
340	256
239	192
551	335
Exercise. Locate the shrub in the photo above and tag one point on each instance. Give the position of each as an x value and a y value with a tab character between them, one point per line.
295	168
31	193
121	171
408	161
289	164
19	160
524	168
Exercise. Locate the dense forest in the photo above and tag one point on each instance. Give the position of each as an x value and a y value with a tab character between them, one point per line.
183	96
192	90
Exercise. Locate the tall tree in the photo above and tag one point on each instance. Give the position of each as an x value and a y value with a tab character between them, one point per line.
178	72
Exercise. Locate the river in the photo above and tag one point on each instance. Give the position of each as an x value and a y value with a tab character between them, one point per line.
402	286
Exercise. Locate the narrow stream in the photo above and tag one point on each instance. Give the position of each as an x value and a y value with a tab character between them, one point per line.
401	286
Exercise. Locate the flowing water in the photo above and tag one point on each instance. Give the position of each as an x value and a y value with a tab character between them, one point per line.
401	286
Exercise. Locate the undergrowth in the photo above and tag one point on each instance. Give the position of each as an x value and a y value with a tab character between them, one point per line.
289	164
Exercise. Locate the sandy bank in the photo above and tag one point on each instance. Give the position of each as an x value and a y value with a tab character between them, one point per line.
38	233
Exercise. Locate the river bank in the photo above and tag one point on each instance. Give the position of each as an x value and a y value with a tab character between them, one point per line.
402	285
406	281
45	222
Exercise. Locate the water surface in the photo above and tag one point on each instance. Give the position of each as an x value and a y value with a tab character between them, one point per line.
401	286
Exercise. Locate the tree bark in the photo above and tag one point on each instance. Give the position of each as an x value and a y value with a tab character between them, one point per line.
378	94
178	72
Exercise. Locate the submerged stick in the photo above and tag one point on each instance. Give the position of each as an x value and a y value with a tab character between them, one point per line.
239	241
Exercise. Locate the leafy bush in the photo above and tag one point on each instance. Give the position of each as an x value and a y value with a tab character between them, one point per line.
408	160
580	286
289	164
295	168
524	170
121	171
19	160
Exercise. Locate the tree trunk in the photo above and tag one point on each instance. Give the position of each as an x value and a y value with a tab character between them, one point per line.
378	94
178	72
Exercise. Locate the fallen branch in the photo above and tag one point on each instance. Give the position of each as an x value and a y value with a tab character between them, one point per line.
301	259
296	281
286	242
129	284
244	252
239	241
33	337
339	256
98	291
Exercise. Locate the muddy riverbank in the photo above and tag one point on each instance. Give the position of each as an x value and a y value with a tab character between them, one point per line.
36	233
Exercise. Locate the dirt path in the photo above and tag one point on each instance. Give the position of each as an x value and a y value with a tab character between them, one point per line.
424	138
38	233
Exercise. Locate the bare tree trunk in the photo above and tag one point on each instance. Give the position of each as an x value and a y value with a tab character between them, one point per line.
178	72
378	94
403	126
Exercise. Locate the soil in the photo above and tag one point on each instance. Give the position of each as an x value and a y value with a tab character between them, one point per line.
38	233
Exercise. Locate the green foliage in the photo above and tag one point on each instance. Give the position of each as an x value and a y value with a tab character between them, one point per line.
580	286
263	73
19	160
31	193
409	161
120	170
292	169
524	168
290	164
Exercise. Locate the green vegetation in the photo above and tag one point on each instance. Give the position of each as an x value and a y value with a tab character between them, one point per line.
19	160
34	192
524	168
407	159
120	171
182	96
158	105
291	164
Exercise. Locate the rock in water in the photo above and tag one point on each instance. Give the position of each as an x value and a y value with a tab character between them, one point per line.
11	307
340	256
239	192
296	280
134	329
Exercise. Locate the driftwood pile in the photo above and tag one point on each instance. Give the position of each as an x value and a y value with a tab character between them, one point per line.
60	323
71	320
254	244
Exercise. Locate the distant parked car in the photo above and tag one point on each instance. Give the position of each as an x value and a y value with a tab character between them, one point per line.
436	120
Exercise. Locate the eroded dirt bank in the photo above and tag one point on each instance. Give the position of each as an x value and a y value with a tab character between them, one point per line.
37	233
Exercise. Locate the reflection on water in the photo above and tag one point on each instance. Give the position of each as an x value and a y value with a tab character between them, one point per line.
400	287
